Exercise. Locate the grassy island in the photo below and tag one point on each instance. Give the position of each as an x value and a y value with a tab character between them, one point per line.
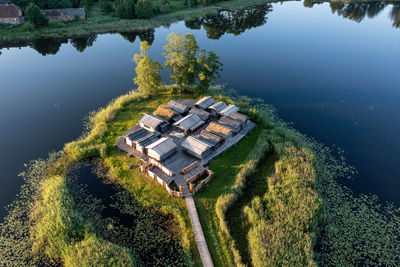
274	200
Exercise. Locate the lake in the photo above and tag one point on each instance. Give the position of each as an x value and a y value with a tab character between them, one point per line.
330	69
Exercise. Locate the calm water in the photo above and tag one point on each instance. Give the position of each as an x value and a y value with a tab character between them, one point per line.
332	70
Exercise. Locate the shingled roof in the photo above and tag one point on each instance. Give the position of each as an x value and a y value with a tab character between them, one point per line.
162	146
219	129
195	145
205	102
10	12
150	121
164	112
177	106
190	122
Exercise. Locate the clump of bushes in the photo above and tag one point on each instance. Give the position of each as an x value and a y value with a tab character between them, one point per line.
106	6
144	9
35	16
125	9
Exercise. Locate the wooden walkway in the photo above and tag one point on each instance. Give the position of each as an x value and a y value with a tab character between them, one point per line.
198	233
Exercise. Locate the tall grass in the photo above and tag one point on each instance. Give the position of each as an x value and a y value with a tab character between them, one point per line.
284	221
60	232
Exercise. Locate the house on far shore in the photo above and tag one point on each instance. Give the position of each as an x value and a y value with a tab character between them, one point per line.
10	14
66	14
5	2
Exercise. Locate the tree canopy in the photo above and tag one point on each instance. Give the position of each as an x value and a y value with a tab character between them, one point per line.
147	77
191	68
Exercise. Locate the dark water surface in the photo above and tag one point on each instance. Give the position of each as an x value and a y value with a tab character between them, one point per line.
332	70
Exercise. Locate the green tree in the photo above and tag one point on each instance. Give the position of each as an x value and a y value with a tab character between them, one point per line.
143	9
180	54
125	9
147	77
106	6
35	16
209	69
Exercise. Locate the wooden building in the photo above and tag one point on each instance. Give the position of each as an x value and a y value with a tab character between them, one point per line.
153	123
161	149
135	133
229	110
66	14
189	123
143	142
205	102
201	113
10	14
234	125
221	130
217	108
196	147
243	119
167	114
209	138
178	107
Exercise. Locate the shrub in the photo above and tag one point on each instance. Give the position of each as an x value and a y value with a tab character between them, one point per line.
125	9
55	24
143	9
164	8
106	6
35	16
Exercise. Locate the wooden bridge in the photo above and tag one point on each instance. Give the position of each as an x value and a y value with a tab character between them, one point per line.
198	232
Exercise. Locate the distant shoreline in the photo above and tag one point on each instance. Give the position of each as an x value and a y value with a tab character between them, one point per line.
99	23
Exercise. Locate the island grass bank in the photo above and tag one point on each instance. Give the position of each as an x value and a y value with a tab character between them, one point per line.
281	186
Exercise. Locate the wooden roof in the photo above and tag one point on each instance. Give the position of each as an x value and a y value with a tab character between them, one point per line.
136	133
150	120
189	122
218	128
227	120
10	12
177	106
164	112
229	110
147	139
195	145
204	115
205	102
218	107
162	146
209	137
238	117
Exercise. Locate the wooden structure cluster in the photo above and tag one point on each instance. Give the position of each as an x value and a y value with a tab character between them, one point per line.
179	139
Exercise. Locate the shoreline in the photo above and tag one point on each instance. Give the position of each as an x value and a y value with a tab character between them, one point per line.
111	24
99	23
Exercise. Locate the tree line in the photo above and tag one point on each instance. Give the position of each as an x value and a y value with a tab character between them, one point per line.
192	70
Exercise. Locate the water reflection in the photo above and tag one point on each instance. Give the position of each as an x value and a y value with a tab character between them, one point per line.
82	43
232	22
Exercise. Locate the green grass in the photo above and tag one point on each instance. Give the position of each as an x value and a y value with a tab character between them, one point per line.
256	186
97	22
225	168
